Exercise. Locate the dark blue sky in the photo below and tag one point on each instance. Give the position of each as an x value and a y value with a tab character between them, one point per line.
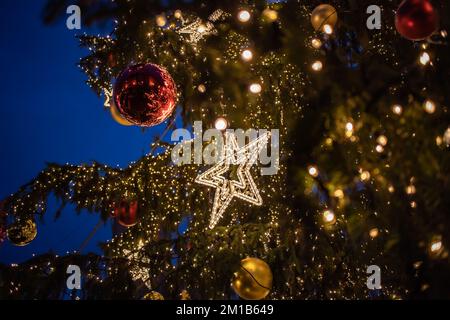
49	115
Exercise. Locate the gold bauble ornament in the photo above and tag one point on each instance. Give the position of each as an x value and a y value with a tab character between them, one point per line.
117	116
22	233
154	295
323	15
253	280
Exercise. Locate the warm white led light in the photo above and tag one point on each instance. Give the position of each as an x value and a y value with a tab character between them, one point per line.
316	43
244	16
430	106
382	140
313	171
247	55
317	65
424	58
397	109
255	88
328	29
329	217
373	233
201	88
221	124
161	20
436	246
365	175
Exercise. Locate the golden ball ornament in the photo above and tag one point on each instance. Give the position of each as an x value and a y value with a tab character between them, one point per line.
115	114
22	233
253	280
324	15
154	295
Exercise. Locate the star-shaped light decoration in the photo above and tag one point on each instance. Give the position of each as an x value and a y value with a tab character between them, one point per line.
136	260
243	187
198	29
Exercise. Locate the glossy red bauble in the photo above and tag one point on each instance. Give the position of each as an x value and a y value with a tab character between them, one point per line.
145	94
416	19
126	213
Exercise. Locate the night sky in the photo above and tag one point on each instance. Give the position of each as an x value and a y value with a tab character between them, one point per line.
49	114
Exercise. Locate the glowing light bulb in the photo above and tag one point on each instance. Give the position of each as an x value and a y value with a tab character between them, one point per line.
397	109
349	126
411	189
313	171
247	55
424	58
379	148
365	175
221	124
446	137
317	65
382	140
429	106
161	20
316	43
244	16
201	88
373	233
328	29
348	129
436	246
329	217
255	88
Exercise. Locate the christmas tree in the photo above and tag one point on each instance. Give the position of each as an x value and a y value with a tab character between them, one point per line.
359	94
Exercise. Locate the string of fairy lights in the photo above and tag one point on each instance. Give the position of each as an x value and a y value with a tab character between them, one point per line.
274	91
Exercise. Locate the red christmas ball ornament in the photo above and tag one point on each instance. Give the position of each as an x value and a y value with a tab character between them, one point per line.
416	19
145	94
126	213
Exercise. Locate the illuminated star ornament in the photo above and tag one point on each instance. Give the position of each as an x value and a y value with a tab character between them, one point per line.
198	29
231	175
